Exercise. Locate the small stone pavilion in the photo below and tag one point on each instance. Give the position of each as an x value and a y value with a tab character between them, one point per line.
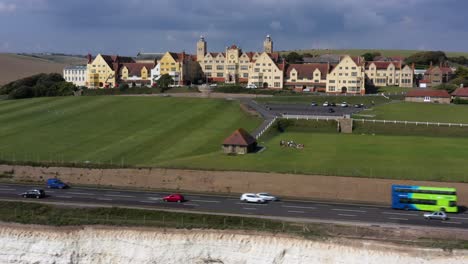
239	142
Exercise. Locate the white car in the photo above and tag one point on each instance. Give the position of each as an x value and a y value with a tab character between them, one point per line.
251	86
436	215
326	104
214	85
267	197
251	198
344	104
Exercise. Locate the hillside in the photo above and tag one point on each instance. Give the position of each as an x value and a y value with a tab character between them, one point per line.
13	66
357	52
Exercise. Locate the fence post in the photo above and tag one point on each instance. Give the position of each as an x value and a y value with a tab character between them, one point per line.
164	220
242	223
282	227
182	221
144	219
224	220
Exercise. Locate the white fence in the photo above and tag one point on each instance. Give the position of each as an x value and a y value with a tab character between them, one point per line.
266	128
312	117
418	123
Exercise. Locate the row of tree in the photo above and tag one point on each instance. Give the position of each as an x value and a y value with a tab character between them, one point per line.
38	85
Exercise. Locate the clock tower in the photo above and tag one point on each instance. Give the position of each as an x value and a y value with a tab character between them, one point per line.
268	45
201	49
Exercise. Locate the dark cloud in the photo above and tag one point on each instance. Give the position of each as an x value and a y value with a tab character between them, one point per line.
126	27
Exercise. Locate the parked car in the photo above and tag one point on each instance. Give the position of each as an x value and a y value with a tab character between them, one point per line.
251	86
331	110
213	85
56	184
439	215
358	105
267	197
344	104
251	198
313	104
326	104
34	193
332	104
174	198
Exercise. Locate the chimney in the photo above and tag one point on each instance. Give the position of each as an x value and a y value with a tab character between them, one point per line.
412	66
461	85
430	66
90	58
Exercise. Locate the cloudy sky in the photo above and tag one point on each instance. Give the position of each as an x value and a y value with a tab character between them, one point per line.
129	26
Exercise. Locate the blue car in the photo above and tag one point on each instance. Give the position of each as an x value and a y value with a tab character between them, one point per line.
56	184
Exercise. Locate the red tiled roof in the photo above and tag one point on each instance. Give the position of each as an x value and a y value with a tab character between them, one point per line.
462	91
240	137
274	56
307	70
443	70
383	65
432	93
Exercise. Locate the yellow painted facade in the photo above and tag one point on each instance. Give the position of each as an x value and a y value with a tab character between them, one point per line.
265	73
348	76
100	74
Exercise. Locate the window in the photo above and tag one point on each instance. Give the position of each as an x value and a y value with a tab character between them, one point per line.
427	98
208	67
256	69
316	81
354	74
244	68
174	63
332	81
246	75
219	67
208	74
353	68
232	67
277	77
418	201
219	74
277	84
331	88
173	69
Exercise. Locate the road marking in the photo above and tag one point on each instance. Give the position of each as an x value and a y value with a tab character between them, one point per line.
256	204
397	218
192	204
63	196
206	201
302	207
155	198
246	208
147	202
7	189
349	210
104	199
399	214
116	195
457	223
463	218
79	193
346	215
299	212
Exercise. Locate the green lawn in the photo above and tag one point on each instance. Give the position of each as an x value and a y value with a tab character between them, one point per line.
419	112
105	129
393	89
397	157
307	99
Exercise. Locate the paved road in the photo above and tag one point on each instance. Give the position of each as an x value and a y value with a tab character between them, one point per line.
224	204
296	109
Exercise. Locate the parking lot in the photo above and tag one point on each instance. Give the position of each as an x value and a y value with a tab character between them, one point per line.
319	110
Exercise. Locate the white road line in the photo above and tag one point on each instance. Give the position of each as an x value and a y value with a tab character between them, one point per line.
104	199
303	207
155	198
7	189
349	210
454	217
399	214
457	223
80	193
205	201
299	212
116	195
63	196
397	218
256	204
346	215
147	202
192	204
246	208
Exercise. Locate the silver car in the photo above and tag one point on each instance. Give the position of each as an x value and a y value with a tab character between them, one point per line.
439	215
267	197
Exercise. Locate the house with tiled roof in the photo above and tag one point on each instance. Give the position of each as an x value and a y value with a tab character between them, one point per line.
348	76
428	96
136	74
239	142
309	77
437	75
389	73
266	72
182	67
460	93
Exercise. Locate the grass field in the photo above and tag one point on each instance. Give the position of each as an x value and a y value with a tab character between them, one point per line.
105	129
419	112
307	99
396	157
358	52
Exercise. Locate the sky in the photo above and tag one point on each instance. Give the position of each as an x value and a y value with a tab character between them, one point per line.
127	27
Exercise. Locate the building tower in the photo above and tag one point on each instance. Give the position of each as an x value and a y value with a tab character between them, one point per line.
268	45
201	49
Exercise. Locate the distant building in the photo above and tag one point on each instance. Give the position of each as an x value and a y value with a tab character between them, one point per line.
148	57
437	75
75	74
239	142
311	77
389	73
428	96
348	76
324	58
460	93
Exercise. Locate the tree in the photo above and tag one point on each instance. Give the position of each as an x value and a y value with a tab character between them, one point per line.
426	58
123	87
369	56
446	86
294	57
21	92
164	81
460	60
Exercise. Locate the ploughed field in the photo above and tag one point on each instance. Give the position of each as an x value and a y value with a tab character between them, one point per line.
117	130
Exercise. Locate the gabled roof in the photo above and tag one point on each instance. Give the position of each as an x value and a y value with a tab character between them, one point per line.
383	65
432	93
443	70
240	137
149	56
462	91
274	56
134	69
307	70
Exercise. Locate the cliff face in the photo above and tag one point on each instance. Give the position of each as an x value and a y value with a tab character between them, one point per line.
34	244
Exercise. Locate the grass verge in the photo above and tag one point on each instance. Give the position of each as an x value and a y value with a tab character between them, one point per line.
320	99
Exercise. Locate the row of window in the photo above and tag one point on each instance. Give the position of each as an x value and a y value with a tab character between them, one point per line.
75	79
75	72
408	190
418	201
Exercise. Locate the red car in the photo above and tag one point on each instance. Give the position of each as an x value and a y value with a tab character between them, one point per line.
174	198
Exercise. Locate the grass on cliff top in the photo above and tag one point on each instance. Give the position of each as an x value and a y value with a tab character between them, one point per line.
114	129
424	112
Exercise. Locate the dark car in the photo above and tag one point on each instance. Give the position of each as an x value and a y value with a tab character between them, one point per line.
313	104
330	110
34	193
174	198
358	105
332	104
56	184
